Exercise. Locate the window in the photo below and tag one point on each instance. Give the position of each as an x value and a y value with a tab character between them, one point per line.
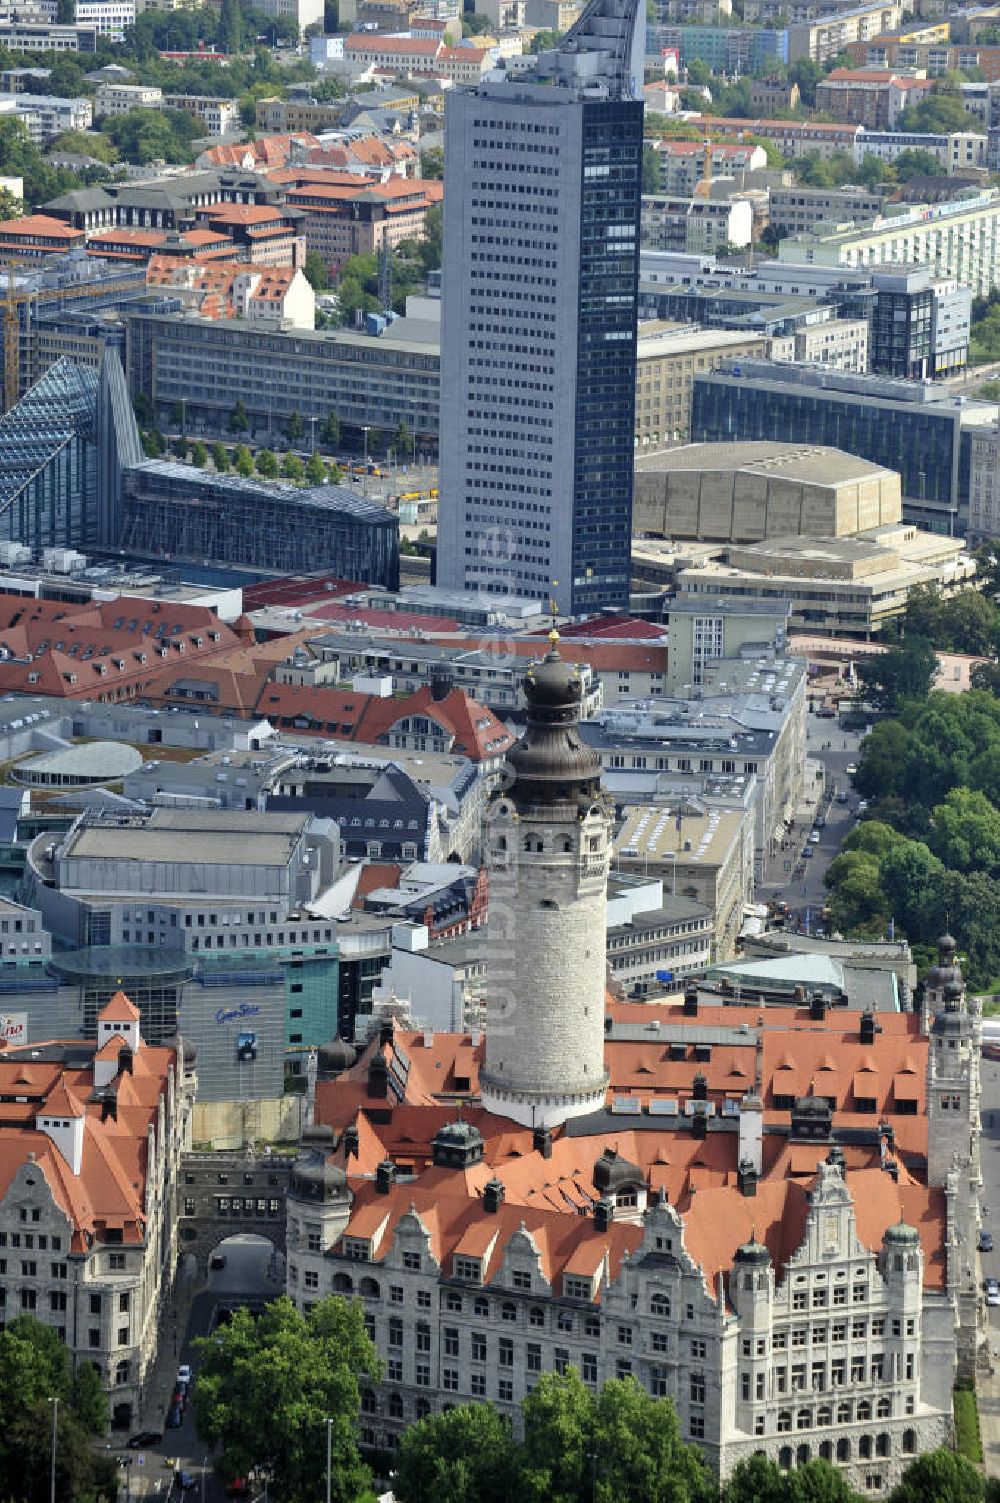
588	1367
508	1312
625	1336
534	1357
506	1355
449	1379
423	1337
411	1262
395	1294
521	1279
505	1390
422	1375
478	1347
697	1388
478	1385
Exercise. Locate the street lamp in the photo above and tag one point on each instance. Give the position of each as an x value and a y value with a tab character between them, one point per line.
52	1470
329	1436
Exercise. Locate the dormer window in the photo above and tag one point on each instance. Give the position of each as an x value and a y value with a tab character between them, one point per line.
357	1248
468	1268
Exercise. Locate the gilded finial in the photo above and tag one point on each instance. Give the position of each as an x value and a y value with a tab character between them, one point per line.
554	612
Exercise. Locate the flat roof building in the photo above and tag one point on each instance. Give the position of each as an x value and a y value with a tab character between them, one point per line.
744	492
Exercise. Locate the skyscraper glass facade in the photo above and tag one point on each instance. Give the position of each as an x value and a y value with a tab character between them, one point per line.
542	195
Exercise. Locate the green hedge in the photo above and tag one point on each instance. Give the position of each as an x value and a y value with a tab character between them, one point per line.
967	1438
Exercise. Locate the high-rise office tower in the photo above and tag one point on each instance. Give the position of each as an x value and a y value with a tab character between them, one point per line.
543	170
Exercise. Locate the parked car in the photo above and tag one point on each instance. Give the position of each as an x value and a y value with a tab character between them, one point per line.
814	838
993	1296
808	853
184	1373
184	1480
985	1241
852	768
238	1488
175	1417
825	712
143	1438
841	795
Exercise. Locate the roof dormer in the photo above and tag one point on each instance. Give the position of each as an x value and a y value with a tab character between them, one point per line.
118	1019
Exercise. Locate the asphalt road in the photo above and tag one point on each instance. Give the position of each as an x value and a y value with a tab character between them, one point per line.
835	749
249	1277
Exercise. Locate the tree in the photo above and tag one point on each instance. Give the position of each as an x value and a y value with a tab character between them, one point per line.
872	171
152	444
759	1480
315	271
89	1399
905	672
939	114
476	25
238	420
230	31
267	463
916	162
966	832
220	459
199	454
699	74
650	169
142	406
543	41
466	1455
179	446
177	414
292	467
243	461
294	427
619	1447
403	439
432	162
275	1392
329	432
942	1475
315	469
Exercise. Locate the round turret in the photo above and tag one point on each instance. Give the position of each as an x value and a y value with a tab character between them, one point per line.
456	1145
947	970
317	1179
901	1234
334	1058
753	1253
189	1054
550	763
318	1137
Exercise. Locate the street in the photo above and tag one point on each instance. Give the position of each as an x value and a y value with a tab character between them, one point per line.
253	1274
834	748
988	1384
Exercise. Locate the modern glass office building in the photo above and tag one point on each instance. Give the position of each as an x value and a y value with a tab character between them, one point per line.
73	474
538	347
178	512
902	425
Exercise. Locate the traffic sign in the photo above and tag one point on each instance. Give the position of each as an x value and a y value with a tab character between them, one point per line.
140	1460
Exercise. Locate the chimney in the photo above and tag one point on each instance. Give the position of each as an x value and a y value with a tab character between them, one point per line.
385	1031
817	1007
746	1179
836	1156
385	1175
699	1125
493	1194
868	1028
541	1141
691	1000
378	1077
109	1106
351	1142
892	1169
604	1214
699	1088
125	1060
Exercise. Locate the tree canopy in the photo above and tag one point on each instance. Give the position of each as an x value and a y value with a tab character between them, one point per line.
901	673
267	1387
34	1368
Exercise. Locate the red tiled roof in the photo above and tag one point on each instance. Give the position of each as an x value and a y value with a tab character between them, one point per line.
38	224
474	731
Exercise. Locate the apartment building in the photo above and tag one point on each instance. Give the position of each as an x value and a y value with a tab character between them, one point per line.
88	1218
794	138
684	164
960	151
826	35
957	240
798	210
702	226
219	116
46	115
119	98
984	486
356	218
